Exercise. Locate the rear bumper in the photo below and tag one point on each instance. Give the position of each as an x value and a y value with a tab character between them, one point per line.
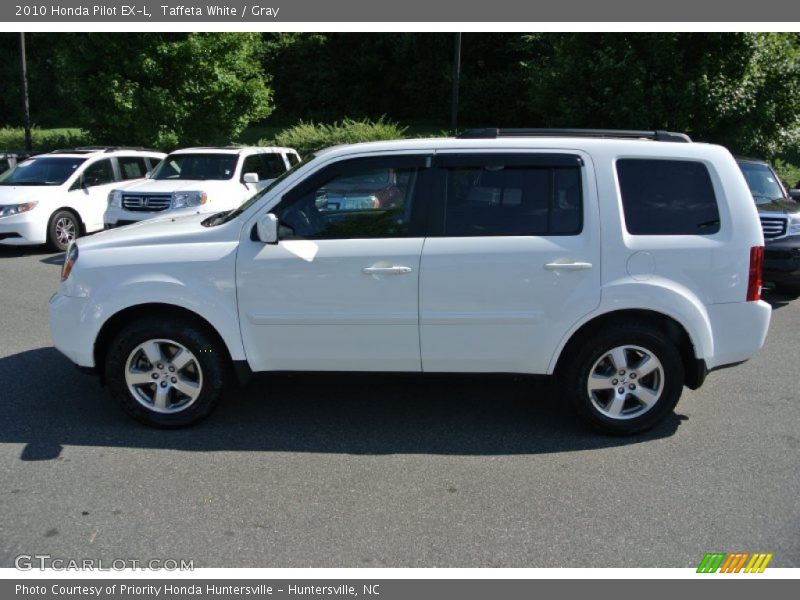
739	330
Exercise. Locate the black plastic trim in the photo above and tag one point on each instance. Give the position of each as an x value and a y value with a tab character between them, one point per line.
657	135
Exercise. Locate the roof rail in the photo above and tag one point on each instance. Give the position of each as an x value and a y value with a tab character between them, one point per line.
89	149
657	135
229	147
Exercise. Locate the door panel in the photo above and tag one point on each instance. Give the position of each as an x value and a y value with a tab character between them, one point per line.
340	290
502	303
309	305
90	198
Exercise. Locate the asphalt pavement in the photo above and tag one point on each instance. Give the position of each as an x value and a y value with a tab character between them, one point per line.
310	470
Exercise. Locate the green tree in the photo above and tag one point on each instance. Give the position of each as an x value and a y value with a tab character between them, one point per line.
737	89
164	90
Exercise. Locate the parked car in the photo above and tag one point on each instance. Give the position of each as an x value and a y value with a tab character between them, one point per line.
9	160
53	198
198	180
780	220
624	264
794	193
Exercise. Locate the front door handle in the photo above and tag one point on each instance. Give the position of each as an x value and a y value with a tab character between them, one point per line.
393	270
568	266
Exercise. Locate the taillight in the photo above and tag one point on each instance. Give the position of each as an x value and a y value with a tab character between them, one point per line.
754	280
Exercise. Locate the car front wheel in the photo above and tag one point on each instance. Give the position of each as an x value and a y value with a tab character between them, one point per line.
166	373
63	229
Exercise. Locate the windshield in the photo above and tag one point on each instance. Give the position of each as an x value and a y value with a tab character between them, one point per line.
49	170
763	183
198	167
225	217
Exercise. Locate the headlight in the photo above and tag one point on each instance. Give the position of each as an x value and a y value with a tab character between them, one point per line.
188	199
794	227
115	199
15	209
69	261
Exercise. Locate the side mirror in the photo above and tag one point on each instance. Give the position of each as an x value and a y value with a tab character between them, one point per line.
147	175
794	194
250	178
267	229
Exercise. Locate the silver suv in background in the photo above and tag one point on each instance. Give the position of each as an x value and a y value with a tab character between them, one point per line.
203	180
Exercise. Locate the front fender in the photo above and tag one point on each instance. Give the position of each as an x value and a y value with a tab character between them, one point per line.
219	310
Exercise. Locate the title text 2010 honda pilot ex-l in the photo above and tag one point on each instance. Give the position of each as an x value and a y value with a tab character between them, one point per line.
626	264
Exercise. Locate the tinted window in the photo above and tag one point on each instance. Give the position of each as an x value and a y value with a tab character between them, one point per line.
132	167
98	173
356	202
42	171
513	200
667	197
293	158
251	164
266	166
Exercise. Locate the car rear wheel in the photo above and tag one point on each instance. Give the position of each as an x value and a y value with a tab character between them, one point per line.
166	373
63	229
624	380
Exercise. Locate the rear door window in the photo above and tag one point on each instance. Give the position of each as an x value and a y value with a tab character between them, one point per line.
512	195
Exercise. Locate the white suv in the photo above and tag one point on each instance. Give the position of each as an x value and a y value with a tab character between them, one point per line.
199	180
625	264
58	196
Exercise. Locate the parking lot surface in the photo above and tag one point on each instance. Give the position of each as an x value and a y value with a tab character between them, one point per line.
311	470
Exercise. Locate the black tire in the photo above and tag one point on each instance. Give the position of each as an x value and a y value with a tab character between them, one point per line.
207	354
596	347
57	238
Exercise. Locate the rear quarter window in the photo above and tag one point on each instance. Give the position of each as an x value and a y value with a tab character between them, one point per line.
667	197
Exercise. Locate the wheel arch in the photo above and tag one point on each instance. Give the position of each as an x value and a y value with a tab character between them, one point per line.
694	366
68	209
116	322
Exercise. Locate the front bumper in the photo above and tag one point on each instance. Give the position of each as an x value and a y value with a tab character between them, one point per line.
116	217
22	230
70	330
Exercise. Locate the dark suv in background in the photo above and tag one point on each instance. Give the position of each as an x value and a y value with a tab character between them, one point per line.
780	220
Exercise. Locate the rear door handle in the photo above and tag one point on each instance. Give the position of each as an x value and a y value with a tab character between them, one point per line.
568	266
393	270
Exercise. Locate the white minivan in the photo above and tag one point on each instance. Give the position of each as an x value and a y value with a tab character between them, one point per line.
54	198
199	180
625	264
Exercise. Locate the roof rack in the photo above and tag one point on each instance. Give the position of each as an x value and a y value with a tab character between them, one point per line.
657	135
91	149
229	147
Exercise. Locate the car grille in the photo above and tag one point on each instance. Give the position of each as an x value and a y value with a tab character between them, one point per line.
145	203
773	227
